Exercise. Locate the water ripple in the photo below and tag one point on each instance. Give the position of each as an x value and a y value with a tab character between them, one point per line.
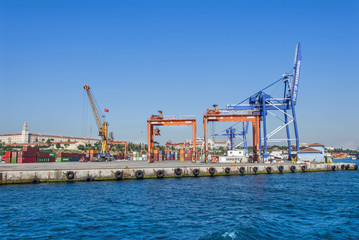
281	206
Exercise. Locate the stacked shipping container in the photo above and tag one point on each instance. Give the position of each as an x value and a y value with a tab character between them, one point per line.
28	155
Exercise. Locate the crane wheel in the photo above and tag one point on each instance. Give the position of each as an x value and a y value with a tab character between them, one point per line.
242	170
293	168
334	167
347	167
269	169
70	175
196	172
212	171
160	174
255	170
355	167
227	170
139	174
118	175
281	169
178	171
304	168
342	166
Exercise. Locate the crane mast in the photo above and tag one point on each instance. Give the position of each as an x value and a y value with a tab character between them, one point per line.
102	127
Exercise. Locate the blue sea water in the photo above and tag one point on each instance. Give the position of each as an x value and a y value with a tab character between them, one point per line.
320	205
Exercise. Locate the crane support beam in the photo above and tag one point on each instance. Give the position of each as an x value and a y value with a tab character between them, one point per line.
122	143
217	116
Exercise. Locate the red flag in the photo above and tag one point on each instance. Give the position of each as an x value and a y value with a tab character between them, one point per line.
106	110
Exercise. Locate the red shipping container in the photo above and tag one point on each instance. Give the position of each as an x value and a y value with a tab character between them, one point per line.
8	154
7	159
26	160
30	149
61	154
26	154
52	159
42	155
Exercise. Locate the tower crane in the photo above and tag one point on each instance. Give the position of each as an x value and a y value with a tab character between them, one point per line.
101	126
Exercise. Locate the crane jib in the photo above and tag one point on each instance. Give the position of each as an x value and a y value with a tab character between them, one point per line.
296	82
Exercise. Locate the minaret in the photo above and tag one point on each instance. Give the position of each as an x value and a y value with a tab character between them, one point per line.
25	134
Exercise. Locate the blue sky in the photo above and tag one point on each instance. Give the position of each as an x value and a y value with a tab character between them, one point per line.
177	56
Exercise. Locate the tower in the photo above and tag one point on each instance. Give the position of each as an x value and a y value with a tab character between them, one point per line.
25	138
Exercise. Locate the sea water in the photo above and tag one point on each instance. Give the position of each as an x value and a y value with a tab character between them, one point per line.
319	205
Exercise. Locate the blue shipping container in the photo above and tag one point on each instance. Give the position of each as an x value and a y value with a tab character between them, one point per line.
74	159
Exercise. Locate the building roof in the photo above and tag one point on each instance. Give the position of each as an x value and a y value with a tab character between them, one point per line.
309	150
37	143
316	144
45	135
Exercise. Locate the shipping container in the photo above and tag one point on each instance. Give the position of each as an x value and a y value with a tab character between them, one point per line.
63	155
74	159
26	154
30	149
42	159
7	159
13	160
52	159
63	159
43	155
14	154
52	154
8	154
93	151
26	160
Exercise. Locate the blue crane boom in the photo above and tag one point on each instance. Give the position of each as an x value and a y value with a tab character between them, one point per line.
263	103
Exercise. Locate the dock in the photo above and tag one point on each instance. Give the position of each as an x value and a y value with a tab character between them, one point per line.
123	170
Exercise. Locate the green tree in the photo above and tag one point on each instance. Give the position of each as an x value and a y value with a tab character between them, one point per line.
81	147
58	145
97	145
48	142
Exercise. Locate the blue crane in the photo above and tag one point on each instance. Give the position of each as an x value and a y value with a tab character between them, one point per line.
231	132
263	103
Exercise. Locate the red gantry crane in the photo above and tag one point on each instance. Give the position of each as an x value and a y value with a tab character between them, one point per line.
217	115
121	143
160	120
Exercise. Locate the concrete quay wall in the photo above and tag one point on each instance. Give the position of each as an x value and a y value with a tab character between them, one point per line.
50	172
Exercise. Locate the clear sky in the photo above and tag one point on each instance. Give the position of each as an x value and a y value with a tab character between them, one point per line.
177	56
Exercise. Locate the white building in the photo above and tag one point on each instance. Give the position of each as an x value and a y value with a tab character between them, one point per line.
314	153
211	144
27	138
